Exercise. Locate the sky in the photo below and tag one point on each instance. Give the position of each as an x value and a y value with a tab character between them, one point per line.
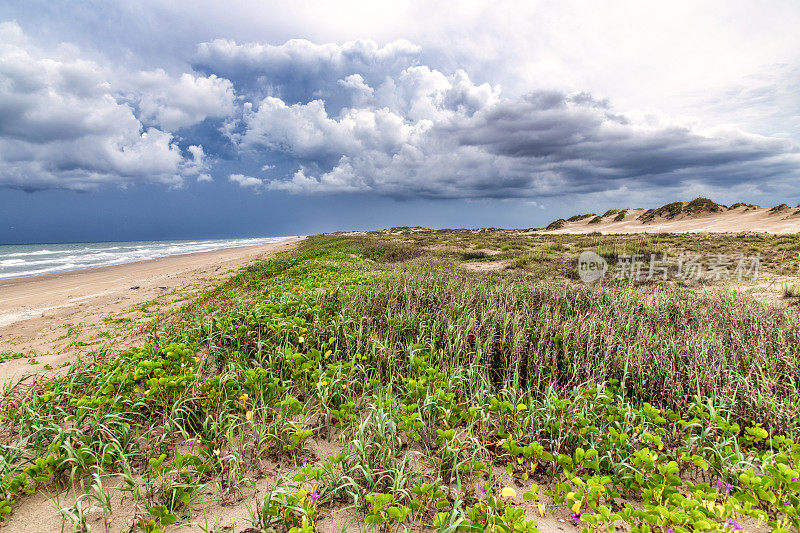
164	120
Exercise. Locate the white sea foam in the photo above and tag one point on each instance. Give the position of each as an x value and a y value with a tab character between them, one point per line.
35	259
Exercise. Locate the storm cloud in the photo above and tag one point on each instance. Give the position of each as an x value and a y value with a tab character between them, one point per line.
419	132
351	117
71	123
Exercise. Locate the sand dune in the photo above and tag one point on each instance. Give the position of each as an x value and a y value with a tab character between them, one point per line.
737	220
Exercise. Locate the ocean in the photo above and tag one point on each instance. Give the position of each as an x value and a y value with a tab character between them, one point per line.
18	260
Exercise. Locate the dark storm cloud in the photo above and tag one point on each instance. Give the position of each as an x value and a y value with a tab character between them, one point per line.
582	142
299	70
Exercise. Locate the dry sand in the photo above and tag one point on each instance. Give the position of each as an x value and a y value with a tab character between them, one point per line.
54	318
738	220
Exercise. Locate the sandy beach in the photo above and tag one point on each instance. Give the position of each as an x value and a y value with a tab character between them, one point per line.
52	319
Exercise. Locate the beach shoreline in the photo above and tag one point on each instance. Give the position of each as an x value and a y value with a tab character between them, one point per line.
28	260
53	318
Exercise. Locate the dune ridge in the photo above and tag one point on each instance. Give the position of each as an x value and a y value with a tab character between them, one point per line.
700	215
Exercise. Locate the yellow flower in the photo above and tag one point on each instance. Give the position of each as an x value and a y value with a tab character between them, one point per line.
542	507
344	386
216	452
508	493
576	506
301	340
328	353
324	383
249	415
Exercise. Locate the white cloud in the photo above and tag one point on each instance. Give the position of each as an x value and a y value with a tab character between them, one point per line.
198	165
173	103
305	131
64	125
306	56
246	181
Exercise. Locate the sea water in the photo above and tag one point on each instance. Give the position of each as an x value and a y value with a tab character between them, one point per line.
33	259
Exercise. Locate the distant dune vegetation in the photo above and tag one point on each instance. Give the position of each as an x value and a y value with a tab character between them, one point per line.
698	215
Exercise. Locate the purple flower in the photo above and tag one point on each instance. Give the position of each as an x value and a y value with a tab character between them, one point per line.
304	461
314	496
235	328
484	491
786	503
191	444
670	530
719	485
576	517
140	384
731	523
728	488
794	479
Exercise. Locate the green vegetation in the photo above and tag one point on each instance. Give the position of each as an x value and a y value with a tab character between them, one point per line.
791	290
8	356
577	218
112	320
447	399
670	211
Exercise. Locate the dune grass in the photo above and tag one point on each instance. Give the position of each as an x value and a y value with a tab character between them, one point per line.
448	400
